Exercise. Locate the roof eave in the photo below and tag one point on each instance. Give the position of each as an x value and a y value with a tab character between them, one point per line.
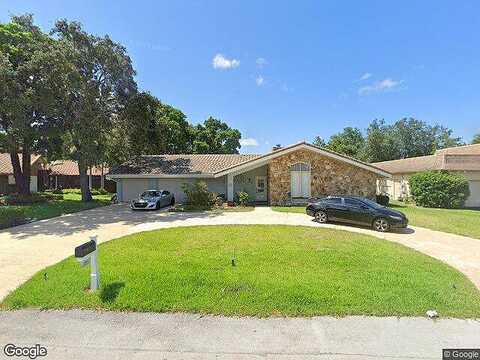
302	145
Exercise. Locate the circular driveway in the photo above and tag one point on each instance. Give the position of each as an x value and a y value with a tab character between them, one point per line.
26	249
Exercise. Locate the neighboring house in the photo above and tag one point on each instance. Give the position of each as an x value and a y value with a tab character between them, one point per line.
7	180
64	174
286	175
462	159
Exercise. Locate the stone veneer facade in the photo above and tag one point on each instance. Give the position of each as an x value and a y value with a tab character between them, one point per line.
328	177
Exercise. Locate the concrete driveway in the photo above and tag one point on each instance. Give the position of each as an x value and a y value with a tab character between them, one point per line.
26	249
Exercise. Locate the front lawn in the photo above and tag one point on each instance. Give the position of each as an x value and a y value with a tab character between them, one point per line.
464	222
280	271
71	203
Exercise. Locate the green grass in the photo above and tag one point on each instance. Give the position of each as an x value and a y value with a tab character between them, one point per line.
71	203
280	271
212	209
292	209
456	221
464	222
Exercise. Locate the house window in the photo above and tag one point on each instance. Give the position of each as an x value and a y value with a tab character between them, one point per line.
300	180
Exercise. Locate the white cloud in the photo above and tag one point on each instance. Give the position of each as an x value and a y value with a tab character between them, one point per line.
221	62
384	85
249	142
260	80
285	88
365	76
261	62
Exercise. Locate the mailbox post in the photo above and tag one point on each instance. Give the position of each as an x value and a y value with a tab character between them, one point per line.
88	252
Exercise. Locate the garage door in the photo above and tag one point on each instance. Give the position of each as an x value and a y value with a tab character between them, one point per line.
474	198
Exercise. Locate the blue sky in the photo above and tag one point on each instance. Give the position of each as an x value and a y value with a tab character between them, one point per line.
283	72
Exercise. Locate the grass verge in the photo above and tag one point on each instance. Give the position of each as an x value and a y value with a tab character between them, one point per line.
18	214
280	271
464	222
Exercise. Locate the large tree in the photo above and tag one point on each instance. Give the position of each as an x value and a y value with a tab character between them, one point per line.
349	142
379	144
476	139
102	83
405	138
215	137
147	126
33	72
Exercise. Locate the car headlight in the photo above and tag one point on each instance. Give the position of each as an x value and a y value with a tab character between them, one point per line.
399	218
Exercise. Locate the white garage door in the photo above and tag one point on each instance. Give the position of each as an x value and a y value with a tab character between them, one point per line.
474	198
132	187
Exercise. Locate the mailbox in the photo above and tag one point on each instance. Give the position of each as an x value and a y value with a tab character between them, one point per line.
85	249
87	253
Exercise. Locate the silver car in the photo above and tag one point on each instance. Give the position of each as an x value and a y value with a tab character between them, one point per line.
153	200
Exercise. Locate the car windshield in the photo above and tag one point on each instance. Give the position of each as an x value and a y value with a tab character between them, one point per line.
372	203
148	194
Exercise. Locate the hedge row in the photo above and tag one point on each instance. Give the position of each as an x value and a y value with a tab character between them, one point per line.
439	189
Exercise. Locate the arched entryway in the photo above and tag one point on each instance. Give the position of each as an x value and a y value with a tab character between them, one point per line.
300	180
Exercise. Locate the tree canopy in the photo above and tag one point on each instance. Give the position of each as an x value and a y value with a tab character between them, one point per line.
407	137
33	72
476	139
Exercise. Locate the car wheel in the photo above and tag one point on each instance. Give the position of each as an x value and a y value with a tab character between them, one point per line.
381	224
321	216
172	202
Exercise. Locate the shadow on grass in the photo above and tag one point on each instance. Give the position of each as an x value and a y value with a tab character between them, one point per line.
110	292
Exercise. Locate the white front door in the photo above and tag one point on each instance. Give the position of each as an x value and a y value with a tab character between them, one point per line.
261	188
300	181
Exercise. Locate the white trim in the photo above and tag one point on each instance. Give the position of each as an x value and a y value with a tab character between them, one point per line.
305	146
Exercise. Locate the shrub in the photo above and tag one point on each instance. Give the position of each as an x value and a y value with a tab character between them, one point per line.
198	194
79	191
219	200
439	189
10	216
383	199
243	198
35	198
51	196
57	191
72	191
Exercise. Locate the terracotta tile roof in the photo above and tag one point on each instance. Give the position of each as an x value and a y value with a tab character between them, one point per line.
70	168
201	164
461	158
6	164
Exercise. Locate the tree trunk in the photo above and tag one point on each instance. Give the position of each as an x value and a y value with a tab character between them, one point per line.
20	181
82	169
102	180
26	166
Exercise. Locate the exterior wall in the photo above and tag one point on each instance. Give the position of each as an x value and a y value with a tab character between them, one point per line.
247	182
394	187
129	189
73	181
328	176
7	184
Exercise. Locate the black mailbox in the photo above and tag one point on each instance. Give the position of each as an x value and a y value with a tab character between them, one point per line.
85	249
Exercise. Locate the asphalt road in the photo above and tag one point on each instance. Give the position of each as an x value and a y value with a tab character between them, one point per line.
83	335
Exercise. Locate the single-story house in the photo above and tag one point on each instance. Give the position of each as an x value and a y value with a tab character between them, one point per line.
64	174
462	159
287	175
7	180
